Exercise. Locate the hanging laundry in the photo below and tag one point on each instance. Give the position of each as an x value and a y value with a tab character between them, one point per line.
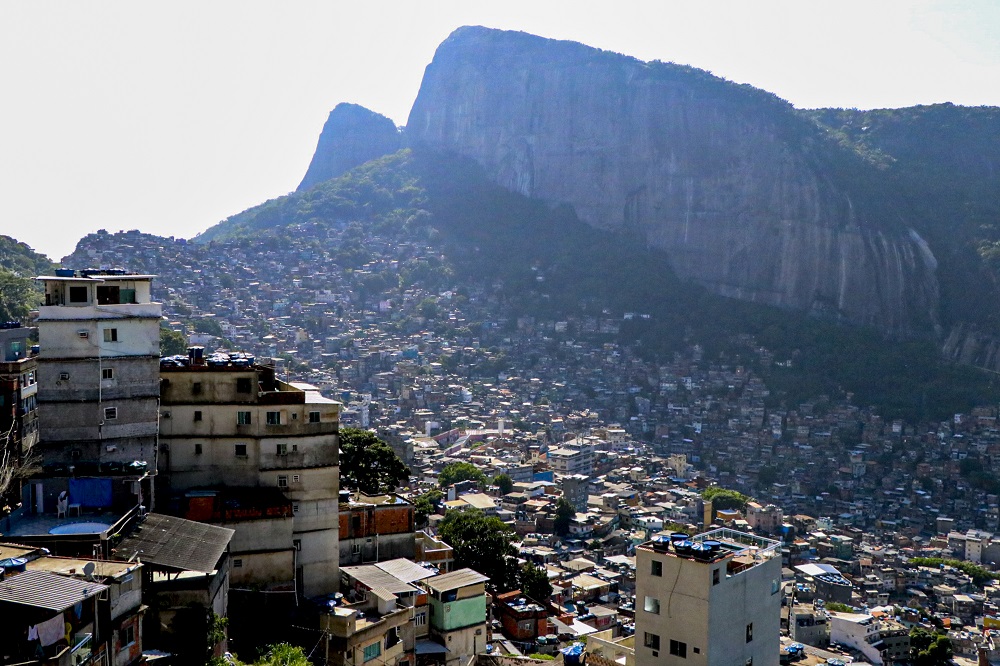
51	631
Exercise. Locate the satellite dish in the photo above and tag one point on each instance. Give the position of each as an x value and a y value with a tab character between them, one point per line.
88	570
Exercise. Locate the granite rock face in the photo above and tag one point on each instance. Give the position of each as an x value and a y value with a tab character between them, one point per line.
351	136
741	193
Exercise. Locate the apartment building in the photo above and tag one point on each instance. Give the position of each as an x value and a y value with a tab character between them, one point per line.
714	599
243	449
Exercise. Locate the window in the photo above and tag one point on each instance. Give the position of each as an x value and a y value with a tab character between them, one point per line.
282	481
274	418
678	649
313	417
126	636
657	568
281	449
243	385
110	413
652	641
111	335
297	543
197	449
697	650
716	576
651	605
240	450
237	563
107	373
373	650
749	632
196	388
295	478
295	508
420	619
243	418
77	294
197	415
355	549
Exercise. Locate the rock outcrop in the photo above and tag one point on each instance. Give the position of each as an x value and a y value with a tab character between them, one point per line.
743	194
351	136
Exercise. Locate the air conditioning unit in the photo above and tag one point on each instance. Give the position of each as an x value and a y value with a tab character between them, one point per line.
83	334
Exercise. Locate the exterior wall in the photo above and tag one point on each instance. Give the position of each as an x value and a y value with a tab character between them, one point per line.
205	409
448	616
711	619
270	568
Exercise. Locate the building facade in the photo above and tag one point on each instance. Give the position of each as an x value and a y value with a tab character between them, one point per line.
712	600
232	432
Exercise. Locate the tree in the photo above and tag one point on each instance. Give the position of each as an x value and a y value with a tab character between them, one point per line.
283	654
484	544
460	471
17	296
368	464
425	505
928	649
564	516
534	583
172	342
723	498
504	483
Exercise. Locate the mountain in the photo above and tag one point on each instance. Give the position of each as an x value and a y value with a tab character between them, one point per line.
351	136
19	258
742	193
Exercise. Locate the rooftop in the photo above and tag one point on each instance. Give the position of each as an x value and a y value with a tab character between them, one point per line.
745	550
176	543
456	579
43	589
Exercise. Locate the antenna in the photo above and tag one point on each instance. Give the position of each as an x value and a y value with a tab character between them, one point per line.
88	570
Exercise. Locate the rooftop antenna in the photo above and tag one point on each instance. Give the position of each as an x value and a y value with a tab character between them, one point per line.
88	570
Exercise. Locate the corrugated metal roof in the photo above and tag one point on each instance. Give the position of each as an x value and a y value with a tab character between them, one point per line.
43	589
456	579
176	543
405	570
374	578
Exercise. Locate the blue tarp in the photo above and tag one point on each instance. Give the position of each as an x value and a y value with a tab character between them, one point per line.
90	492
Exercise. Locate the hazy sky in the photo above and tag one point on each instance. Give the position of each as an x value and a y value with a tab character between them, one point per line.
170	116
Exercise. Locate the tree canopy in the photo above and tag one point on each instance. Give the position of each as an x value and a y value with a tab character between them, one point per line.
17	296
534	583
723	498
460	471
368	464
504	483
564	516
929	649
425	505
172	342
483	543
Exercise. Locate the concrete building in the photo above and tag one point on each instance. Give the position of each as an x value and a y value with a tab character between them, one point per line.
809	625
880	639
575	488
765	518
458	613
18	404
375	528
572	458
712	600
99	338
233	432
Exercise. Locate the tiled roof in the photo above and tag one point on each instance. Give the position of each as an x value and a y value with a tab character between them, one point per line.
455	580
43	589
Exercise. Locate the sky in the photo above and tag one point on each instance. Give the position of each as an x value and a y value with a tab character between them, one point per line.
168	117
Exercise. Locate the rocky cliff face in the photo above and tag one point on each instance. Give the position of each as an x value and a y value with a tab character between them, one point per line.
737	189
351	136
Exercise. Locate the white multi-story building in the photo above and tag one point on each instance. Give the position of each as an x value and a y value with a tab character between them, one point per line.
98	377
713	600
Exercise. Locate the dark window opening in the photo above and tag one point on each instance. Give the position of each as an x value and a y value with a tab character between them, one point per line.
679	649
243	385
77	294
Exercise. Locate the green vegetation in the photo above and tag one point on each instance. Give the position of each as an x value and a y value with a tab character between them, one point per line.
930	649
172	342
461	471
20	259
17	296
723	498
425	505
484	544
504	483
281	654
564	516
979	574
838	607
493	236
534	583
368	464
